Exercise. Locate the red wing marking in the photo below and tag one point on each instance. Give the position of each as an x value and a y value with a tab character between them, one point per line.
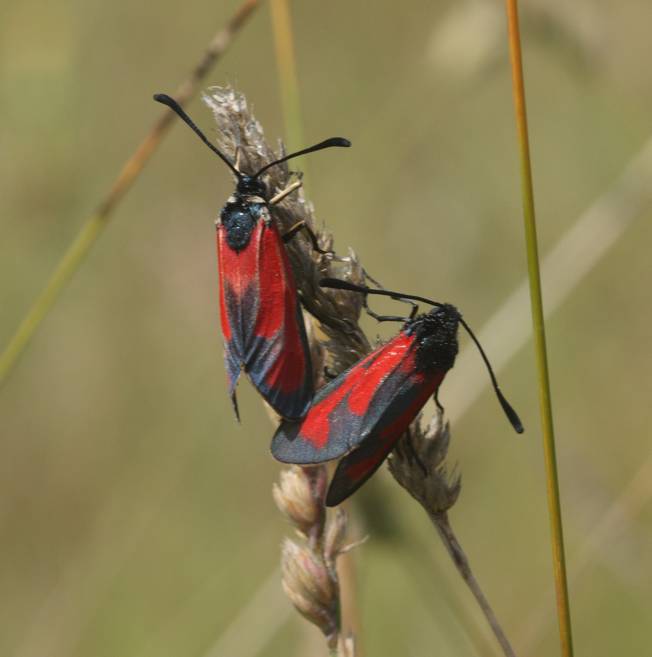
346	409
238	268
221	246
262	322
238	277
358	387
280	318
355	468
385	436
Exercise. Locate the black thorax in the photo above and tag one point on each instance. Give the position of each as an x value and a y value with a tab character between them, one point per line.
239	218
435	334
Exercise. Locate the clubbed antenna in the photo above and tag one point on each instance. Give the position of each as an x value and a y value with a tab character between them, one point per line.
339	284
511	414
175	107
328	143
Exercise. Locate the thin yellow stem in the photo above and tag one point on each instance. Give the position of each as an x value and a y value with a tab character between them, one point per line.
554	505
93	227
287	72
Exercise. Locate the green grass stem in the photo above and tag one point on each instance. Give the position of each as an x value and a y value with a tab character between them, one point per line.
93	227
554	505
288	77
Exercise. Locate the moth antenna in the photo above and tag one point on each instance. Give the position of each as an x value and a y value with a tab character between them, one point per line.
177	109
511	414
328	143
339	284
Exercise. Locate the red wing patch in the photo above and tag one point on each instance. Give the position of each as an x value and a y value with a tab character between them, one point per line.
349	408
355	468
262	323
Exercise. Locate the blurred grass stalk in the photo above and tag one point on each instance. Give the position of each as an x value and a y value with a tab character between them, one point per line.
421	469
287	74
566	264
613	523
256	624
554	504
66	611
93	227
281	18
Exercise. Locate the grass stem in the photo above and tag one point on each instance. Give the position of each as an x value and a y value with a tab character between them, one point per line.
457	554
288	77
93	227
554	505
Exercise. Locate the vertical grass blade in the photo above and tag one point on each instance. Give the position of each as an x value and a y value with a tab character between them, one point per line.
287	73
554	505
93	227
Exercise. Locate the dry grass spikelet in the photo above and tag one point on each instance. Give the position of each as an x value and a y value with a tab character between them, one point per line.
294	498
308	565
417	464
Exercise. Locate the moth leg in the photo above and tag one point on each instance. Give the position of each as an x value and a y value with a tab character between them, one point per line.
383	318
234	402
329	374
436	398
285	192
413	312
388	318
302	225
293	231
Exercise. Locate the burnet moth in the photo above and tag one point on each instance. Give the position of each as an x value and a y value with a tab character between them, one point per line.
261	317
363	412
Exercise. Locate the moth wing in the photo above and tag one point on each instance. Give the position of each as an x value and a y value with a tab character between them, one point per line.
238	305
276	352
400	410
262	323
347	409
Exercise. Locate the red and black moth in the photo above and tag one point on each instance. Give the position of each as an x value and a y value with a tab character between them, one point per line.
262	323
363	412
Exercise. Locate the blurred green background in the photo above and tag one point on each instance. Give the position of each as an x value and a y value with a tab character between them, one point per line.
135	514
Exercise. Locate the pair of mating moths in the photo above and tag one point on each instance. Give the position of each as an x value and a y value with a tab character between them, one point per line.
359	415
